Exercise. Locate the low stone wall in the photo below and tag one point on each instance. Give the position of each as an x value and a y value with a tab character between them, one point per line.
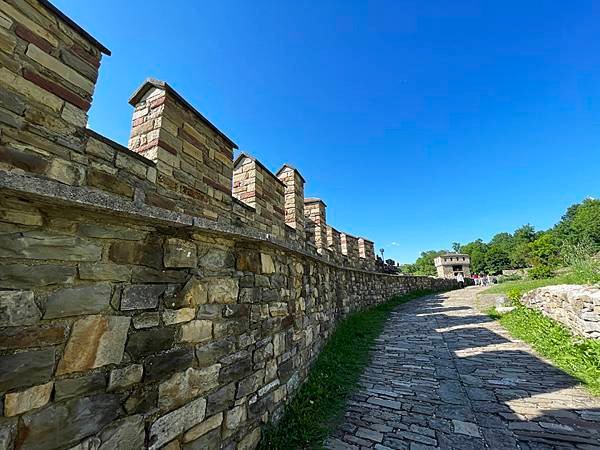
576	307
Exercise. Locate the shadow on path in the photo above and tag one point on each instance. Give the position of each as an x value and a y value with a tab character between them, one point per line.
444	375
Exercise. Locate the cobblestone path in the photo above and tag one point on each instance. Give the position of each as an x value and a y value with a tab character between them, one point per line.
443	375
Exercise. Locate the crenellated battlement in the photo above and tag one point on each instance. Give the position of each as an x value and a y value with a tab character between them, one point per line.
176	159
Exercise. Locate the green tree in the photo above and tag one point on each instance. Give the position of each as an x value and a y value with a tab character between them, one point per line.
456	247
586	222
477	251
496	259
424	264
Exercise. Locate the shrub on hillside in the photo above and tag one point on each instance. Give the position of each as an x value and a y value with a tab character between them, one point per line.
540	271
585	266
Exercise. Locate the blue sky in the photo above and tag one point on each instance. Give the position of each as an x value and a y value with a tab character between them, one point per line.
418	123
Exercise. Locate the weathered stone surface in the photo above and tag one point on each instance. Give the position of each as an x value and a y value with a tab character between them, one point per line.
184	386
104	272
77	387
180	253
223	290
173	424
18	308
250	384
77	301
146	320
216	259
266	263
140	253
25	337
26	368
124	434
95	341
250	441
204	427
159	366
64	423
173	316
234	417
221	399
208	354
278	309
146	342
45	245
125	377
35	397
209	441
111	232
193	293
8	432
142	274
21	276
247	261
197	331
141	296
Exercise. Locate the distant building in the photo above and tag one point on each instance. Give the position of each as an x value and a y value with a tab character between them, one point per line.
451	264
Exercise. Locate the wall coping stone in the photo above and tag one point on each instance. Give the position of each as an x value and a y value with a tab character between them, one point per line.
74	25
289	166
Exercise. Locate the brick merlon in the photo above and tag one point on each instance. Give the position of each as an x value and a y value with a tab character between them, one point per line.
288	166
154	83
314	200
243	155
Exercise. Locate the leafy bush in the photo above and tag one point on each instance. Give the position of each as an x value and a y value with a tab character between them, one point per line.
514	295
513	277
540	271
579	256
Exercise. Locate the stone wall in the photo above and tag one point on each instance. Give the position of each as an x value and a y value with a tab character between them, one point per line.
576	307
142	304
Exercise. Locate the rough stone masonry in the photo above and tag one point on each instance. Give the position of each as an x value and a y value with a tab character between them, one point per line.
156	296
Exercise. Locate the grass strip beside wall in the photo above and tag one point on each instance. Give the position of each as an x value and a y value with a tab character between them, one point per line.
319	404
575	355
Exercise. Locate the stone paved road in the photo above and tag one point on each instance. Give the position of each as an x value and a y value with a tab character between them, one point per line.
445	376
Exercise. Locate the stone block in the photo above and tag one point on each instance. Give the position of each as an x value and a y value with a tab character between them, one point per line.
26	368
141	296
66	423
95	341
193	293
173	316
125	377
104	272
18	308
234	418
180	253
147	342
45	245
250	441
146	320
19	276
248	261
236	371
140	253
127	434
171	425
24	337
197	331
163	364
185	386
77	387
221	399
223	290
207	354
108	182
77	301
266	263
250	384
204	427
16	403
142	274
216	259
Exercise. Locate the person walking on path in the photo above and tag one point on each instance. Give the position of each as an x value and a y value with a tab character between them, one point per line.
461	280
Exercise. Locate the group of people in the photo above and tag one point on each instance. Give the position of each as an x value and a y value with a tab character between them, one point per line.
479	280
484	280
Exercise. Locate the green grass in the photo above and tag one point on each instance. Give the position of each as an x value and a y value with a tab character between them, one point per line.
318	405
527	285
577	356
